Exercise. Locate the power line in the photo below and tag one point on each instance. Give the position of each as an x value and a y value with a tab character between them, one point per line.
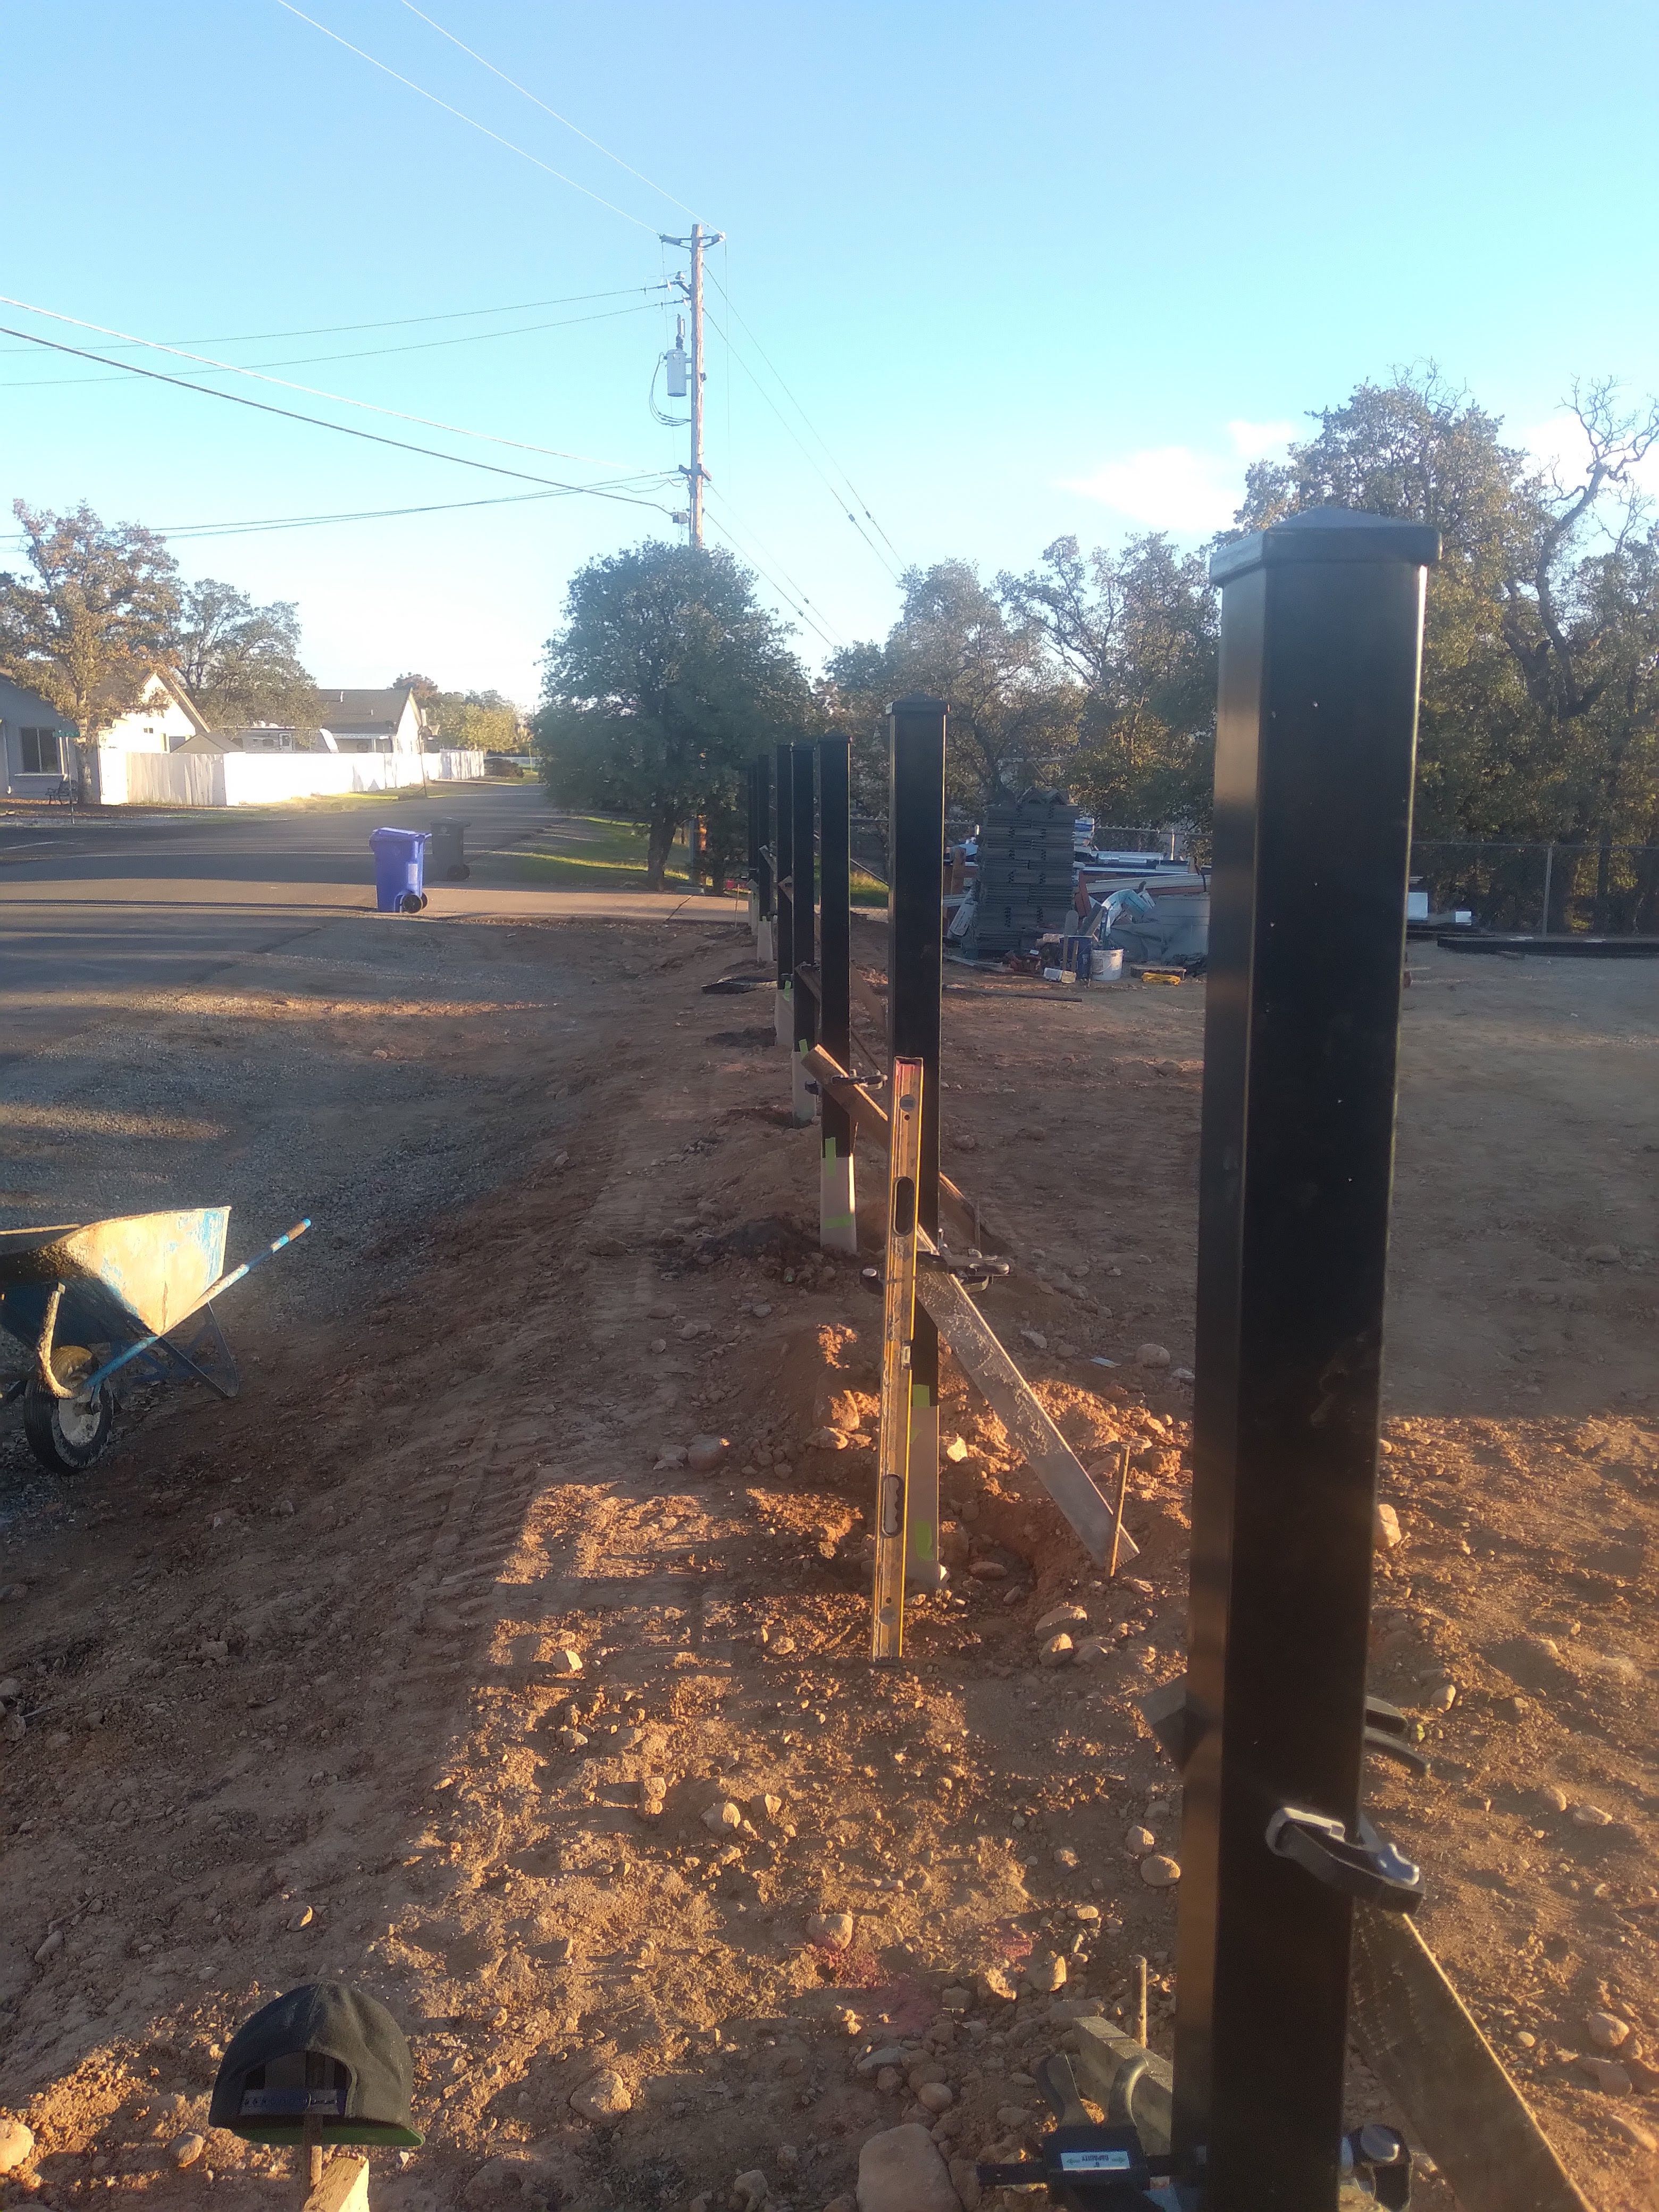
362	353
799	590
317	422
852	487
747	553
546	110
460	116
405	322
283	383
812	464
189	532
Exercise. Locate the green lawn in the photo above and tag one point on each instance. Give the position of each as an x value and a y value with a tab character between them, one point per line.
594	853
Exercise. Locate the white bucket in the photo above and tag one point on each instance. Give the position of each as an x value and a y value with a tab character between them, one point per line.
1107	967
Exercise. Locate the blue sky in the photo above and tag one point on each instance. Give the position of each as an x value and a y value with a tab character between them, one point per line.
1029	269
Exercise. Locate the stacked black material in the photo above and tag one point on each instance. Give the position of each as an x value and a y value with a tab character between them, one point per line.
1025	873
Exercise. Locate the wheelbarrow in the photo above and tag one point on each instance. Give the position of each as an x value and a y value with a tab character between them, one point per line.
130	1298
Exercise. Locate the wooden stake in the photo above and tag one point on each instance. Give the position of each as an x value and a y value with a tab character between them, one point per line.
897	1328
1117	1540
1140	2000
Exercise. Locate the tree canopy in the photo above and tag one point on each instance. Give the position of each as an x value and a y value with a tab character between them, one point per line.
476	722
239	662
85	629
664	681
1542	631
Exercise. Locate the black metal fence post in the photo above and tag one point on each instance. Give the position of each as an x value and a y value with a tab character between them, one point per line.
838	1230
763	947
784	933
1321	644
802	912
915	951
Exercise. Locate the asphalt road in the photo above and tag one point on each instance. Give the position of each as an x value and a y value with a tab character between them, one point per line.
96	913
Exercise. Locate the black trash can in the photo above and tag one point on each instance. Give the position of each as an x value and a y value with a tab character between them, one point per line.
446	856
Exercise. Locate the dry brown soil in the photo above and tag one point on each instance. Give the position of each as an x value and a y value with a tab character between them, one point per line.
290	1691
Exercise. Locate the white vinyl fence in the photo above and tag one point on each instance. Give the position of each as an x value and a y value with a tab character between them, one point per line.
259	779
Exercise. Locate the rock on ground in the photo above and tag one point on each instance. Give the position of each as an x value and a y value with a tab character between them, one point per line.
185	2150
1061	1616
16	2141
901	2170
603	2096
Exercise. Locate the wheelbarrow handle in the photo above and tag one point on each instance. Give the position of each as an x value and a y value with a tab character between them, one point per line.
145	1344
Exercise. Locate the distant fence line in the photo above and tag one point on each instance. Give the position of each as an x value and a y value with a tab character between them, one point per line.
1553	888
1550	888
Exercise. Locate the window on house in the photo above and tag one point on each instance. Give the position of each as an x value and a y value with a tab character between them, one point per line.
41	756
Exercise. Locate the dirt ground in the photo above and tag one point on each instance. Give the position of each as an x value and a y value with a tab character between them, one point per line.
295	1690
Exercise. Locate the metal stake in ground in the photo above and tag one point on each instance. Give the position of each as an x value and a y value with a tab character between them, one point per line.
784	933
1117	1522
763	887
803	904
915	948
898	1320
751	787
1320	639
837	1197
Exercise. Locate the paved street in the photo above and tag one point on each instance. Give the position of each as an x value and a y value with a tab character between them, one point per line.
201	1009
96	914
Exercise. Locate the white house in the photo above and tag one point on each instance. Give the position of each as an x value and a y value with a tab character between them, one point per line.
164	718
37	744
367	722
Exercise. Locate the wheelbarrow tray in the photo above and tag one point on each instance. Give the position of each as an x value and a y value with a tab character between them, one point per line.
139	1275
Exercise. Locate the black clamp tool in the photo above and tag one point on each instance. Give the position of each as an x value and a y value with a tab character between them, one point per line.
1361	1865
1083	2166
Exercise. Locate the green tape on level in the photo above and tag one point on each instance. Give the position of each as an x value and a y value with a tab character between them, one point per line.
922	1540
920	1399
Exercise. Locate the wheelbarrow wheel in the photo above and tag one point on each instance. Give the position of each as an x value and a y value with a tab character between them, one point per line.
67	1435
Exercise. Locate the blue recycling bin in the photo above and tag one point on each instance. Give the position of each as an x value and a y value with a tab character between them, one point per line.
399	870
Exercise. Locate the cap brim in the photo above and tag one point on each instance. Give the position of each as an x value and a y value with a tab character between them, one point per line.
369	2133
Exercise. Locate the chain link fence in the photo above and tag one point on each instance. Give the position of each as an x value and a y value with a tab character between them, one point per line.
1544	889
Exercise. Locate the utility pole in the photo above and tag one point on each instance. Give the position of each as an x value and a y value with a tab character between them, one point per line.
697	245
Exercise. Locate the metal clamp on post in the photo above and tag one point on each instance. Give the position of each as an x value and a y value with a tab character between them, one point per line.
1363	1867
1085	2166
971	1268
1379	2158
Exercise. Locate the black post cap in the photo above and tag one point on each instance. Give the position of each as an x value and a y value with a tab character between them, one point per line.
1327	533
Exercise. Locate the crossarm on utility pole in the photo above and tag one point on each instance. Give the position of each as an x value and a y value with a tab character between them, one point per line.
978	1351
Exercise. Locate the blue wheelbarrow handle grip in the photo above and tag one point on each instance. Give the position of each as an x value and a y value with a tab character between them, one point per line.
113	1366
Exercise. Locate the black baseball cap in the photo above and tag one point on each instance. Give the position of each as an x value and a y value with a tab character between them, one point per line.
324	2052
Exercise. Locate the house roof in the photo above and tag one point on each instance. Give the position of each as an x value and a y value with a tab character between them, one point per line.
361	709
174	686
